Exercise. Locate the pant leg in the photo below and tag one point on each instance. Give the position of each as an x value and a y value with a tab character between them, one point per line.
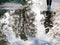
49	2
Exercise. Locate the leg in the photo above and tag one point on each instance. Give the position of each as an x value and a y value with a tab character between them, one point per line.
49	4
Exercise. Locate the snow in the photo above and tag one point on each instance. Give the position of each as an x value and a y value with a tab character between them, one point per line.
41	38
11	6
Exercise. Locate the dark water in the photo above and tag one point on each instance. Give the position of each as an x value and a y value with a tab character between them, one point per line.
14	1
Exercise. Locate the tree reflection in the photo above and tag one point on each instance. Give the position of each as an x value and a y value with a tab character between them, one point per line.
24	24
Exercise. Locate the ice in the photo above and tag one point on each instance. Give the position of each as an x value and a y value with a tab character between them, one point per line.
11	6
52	38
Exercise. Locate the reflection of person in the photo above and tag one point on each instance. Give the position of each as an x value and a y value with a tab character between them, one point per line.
49	4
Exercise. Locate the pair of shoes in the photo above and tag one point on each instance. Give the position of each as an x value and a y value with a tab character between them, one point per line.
49	7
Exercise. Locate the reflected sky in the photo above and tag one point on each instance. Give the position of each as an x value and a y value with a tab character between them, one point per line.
56	0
